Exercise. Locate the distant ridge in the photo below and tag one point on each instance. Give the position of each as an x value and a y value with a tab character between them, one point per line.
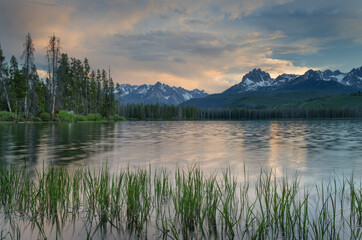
158	93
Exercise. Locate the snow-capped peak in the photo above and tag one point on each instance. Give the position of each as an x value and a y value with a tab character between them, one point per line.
257	79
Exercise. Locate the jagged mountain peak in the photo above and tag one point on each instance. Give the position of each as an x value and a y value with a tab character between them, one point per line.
284	78
333	73
199	91
329	75
355	71
353	78
315	74
257	75
252	81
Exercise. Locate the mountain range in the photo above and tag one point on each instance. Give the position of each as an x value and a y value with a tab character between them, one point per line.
258	80
259	89
256	89
158	93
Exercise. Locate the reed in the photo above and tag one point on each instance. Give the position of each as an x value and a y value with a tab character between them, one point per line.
184	204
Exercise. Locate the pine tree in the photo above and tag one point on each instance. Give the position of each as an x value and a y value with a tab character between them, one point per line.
33	97
118	99
18	85
72	94
63	81
85	87
111	98
105	95
41	91
76	92
99	93
92	92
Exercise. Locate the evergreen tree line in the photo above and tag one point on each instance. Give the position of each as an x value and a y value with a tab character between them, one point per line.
71	85
164	112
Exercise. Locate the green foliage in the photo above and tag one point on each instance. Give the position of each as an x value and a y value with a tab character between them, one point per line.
18	86
65	116
44	116
258	100
80	118
340	106
6	116
359	93
335	102
72	86
94	117
117	118
20	117
41	91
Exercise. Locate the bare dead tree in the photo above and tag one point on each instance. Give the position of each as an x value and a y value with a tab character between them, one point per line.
28	57
53	55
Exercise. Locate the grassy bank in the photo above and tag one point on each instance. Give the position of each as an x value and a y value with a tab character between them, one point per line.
139	203
62	116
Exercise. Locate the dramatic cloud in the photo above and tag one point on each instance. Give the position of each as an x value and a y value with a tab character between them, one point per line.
207	44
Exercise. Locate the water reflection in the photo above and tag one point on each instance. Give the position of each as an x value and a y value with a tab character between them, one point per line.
57	144
314	148
286	141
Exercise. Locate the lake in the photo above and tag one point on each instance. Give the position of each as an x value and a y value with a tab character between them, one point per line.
322	153
314	148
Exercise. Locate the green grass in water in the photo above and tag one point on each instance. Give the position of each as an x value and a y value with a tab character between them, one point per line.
184	204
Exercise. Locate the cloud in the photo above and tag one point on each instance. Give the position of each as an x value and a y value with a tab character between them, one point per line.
161	45
208	60
310	18
207	44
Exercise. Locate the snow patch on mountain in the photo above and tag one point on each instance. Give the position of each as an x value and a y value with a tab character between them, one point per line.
187	96
158	93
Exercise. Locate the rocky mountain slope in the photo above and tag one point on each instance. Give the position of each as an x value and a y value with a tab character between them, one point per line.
158	93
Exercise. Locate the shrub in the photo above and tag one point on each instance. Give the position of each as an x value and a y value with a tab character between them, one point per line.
36	119
65	116
44	116
94	117
80	118
32	117
117	118
20	117
6	116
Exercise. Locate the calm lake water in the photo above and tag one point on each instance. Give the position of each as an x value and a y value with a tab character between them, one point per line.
315	148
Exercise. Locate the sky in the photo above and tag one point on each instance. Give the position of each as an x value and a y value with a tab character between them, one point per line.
204	44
